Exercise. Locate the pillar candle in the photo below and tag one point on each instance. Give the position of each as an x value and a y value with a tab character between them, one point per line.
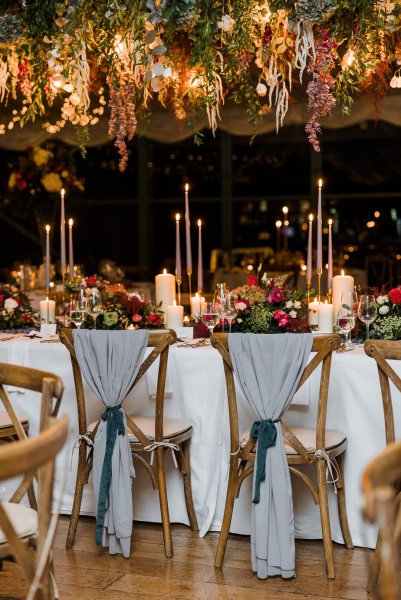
177	247
197	303
309	256
330	259
319	257
47	280
200	264
325	318
70	248
342	286
165	291
47	310
313	313
188	232
175	316
62	234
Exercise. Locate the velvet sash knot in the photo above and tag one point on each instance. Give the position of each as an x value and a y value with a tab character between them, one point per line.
265	433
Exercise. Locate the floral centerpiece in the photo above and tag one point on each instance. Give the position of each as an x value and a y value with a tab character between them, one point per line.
124	310
72	285
387	325
270	307
15	309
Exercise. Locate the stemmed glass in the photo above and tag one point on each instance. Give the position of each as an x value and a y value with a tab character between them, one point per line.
228	310
94	304
367	310
78	310
210	315
347	312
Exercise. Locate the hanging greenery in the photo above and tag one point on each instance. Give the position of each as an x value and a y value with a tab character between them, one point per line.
89	56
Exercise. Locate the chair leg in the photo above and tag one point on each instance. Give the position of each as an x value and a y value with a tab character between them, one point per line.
325	518
79	489
342	510
161	480
186	475
374	571
228	513
32	497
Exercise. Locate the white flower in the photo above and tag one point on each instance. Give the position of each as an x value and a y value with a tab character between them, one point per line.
386	298
10	304
226	23
240	305
264	277
261	89
380	300
293	314
52	182
297	304
289	304
41	156
383	310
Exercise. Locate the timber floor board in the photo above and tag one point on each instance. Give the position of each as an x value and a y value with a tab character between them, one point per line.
90	573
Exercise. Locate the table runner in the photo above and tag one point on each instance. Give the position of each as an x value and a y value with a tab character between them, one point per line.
109	362
268	369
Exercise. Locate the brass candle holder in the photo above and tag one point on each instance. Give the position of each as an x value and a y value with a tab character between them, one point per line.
319	277
189	273
178	280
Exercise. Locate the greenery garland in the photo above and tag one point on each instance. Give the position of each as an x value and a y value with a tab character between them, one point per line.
87	56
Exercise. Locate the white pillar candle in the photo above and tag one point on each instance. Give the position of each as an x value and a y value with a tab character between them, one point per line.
197	303
177	247
319	256
200	262
47	280
188	232
62	234
330	259
309	256
343	285
313	313
165	291
325	318
71	249
47	310
175	316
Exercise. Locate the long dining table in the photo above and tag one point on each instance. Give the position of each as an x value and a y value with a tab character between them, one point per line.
195	391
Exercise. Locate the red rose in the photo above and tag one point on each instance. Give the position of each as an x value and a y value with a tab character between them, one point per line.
1	297
18	301
395	295
252	280
153	320
91	281
22	184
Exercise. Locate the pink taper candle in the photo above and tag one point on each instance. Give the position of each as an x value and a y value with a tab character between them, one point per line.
309	257
177	246
62	234
188	231
71	250
330	258
319	257
200	263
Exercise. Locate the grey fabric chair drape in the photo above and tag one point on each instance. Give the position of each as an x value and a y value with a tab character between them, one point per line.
268	369
109	362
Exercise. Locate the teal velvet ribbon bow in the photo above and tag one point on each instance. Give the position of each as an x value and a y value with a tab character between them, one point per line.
265	433
115	424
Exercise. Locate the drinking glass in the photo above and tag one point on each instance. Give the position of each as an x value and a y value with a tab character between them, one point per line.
210	315
94	304
347	312
78	310
228	310
367	310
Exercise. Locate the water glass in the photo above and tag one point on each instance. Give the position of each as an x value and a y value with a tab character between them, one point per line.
78	310
94	304
367	310
346	316
210	315
228	310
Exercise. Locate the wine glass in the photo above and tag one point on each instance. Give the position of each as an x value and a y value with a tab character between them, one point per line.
94	304
367	310
78	310
228	310
346	316
210	315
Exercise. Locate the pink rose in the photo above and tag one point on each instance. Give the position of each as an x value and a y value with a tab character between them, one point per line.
279	314
137	318
395	295
284	321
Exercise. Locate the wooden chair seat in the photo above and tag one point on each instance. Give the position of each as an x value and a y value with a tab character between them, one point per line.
23	519
173	429
335	442
6	425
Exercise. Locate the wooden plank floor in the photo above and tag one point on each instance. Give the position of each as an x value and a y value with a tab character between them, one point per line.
89	573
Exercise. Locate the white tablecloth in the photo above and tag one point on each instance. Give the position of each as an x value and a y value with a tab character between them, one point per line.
196	392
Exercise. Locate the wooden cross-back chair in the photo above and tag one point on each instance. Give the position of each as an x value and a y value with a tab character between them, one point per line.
15	426
382	351
145	434
382	506
314	446
26	534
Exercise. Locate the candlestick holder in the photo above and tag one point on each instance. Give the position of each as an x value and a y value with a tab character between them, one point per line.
178	280
308	286
319	276
189	273
329	295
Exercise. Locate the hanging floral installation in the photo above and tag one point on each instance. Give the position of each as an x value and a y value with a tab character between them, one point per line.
87	58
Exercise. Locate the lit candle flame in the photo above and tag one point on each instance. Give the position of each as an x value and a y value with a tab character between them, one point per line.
186	187
177	217
330	221
311	217
285	210
62	192
164	271
278	224
342	272
174	303
47	228
70	222
320	183
199	223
